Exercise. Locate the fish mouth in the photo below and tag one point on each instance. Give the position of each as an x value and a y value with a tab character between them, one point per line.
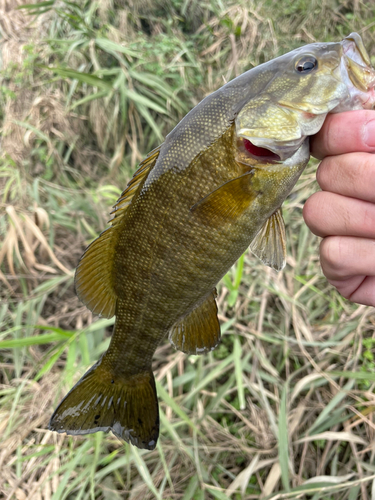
266	151
258	153
358	75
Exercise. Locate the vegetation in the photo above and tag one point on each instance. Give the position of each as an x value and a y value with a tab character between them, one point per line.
285	407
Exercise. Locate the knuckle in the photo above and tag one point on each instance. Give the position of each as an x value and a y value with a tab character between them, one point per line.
312	213
321	172
331	256
326	174
340	174
309	210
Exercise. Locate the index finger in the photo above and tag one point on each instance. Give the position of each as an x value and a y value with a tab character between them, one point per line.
345	133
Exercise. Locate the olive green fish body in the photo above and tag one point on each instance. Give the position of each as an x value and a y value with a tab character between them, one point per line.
214	187
183	253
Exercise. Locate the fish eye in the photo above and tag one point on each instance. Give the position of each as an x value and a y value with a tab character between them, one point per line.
306	64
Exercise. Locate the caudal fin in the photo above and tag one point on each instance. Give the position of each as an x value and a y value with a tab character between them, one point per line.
101	401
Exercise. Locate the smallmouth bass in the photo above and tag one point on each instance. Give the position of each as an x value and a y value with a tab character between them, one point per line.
214	187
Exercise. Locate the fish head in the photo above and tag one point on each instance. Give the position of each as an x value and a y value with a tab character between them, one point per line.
307	84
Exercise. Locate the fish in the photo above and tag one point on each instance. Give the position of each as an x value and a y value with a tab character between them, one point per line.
213	188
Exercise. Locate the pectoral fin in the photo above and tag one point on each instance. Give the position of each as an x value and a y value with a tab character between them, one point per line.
228	202
199	331
269	245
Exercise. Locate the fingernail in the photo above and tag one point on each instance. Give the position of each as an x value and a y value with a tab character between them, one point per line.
369	134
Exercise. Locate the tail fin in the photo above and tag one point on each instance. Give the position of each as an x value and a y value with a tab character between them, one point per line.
102	401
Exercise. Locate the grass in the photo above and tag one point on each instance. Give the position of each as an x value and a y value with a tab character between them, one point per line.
284	408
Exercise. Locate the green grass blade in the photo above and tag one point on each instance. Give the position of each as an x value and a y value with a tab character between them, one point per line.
82	77
327	411
110	46
175	407
27	341
237	352
219	369
283	439
144	472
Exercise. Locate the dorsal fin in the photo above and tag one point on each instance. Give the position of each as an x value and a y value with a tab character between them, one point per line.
127	196
93	279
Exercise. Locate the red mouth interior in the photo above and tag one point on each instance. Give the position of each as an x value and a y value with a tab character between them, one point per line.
259	152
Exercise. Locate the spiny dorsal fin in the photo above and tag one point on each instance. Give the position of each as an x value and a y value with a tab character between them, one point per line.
269	245
93	279
199	331
127	196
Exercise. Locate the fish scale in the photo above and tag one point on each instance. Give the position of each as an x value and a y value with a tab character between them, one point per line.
214	187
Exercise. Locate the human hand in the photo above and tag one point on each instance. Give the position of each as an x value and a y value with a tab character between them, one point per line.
343	213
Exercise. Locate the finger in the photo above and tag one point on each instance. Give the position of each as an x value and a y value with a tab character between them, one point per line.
349	286
365	293
358	289
343	257
345	133
330	214
351	174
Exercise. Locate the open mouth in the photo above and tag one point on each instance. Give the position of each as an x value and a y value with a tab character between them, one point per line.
249	153
259	153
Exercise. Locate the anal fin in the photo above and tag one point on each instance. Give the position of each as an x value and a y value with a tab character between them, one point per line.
269	245
199	331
